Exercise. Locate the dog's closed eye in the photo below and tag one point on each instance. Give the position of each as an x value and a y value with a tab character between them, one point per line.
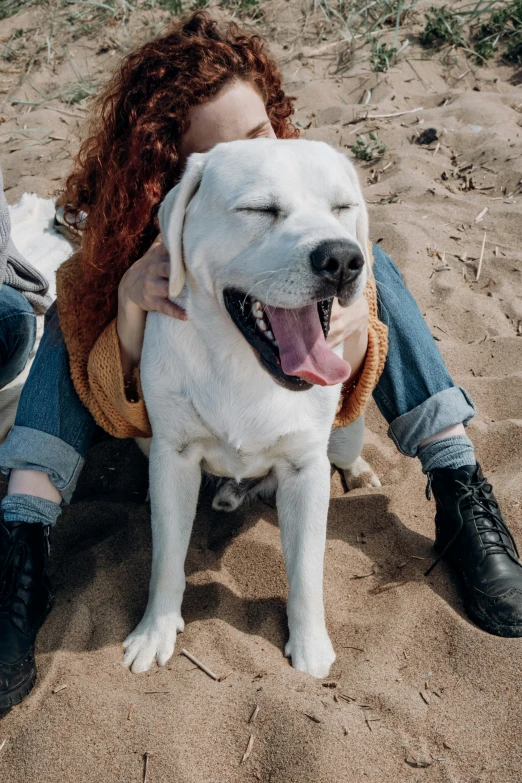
338	209
270	209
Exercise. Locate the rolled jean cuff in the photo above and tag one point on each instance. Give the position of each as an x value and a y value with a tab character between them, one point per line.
28	508
444	409
49	454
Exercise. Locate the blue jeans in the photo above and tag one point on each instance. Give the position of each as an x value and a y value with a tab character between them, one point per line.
53	428
415	394
17	333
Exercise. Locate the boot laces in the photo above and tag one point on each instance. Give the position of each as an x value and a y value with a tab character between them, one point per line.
487	517
11	571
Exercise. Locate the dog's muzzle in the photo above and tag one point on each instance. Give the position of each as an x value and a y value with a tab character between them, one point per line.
291	342
338	263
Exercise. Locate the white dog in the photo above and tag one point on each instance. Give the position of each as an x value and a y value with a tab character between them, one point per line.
262	234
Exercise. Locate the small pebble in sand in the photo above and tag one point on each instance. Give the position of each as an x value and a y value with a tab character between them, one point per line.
428	136
417	761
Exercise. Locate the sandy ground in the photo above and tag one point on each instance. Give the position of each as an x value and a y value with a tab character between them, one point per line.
417	693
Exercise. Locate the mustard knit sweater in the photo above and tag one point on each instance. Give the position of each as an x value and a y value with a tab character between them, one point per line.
97	373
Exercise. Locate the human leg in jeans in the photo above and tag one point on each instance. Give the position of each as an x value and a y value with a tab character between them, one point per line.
17	333
427	414
45	452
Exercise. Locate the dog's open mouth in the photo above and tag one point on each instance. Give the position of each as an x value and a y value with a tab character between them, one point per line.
290	343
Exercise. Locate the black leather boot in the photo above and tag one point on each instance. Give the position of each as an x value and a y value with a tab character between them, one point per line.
474	538
25	600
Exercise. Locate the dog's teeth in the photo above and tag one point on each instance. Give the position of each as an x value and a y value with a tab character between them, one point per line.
275	343
262	325
270	335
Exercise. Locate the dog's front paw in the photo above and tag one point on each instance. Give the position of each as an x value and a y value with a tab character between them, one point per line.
311	653
360	475
152	638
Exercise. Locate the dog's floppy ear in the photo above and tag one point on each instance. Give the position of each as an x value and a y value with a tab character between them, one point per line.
171	218
362	225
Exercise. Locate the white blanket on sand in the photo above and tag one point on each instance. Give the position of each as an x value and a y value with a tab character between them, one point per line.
45	248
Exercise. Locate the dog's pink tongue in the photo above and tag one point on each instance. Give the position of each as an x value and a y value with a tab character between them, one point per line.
302	346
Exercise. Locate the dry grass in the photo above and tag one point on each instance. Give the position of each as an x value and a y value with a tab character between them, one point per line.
375	32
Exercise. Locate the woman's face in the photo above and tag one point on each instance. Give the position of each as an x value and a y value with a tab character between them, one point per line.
237	112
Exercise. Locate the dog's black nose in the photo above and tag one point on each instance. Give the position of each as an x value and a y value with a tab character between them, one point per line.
337	261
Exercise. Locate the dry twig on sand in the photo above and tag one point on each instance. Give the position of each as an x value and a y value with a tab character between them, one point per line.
248	750
199	664
363	117
388	586
479	268
346	697
145	765
148	693
393	114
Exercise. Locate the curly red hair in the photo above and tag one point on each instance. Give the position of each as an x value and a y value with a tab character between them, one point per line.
130	159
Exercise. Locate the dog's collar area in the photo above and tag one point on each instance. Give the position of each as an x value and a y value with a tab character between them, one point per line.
250	317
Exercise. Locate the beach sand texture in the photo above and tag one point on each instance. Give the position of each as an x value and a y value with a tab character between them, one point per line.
417	693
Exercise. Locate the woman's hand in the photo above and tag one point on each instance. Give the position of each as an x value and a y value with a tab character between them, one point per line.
350	324
143	287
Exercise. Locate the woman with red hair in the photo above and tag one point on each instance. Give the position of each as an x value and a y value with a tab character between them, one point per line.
184	92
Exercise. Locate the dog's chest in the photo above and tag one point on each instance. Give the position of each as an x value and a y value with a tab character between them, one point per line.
228	459
232	434
230	415
246	440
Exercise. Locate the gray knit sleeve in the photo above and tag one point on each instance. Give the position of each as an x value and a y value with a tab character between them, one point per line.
15	271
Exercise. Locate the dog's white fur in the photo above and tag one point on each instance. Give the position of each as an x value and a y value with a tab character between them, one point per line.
211	404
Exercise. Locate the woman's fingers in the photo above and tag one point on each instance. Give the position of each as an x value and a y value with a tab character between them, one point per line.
347	322
146	282
167	307
156	298
160	288
163	269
